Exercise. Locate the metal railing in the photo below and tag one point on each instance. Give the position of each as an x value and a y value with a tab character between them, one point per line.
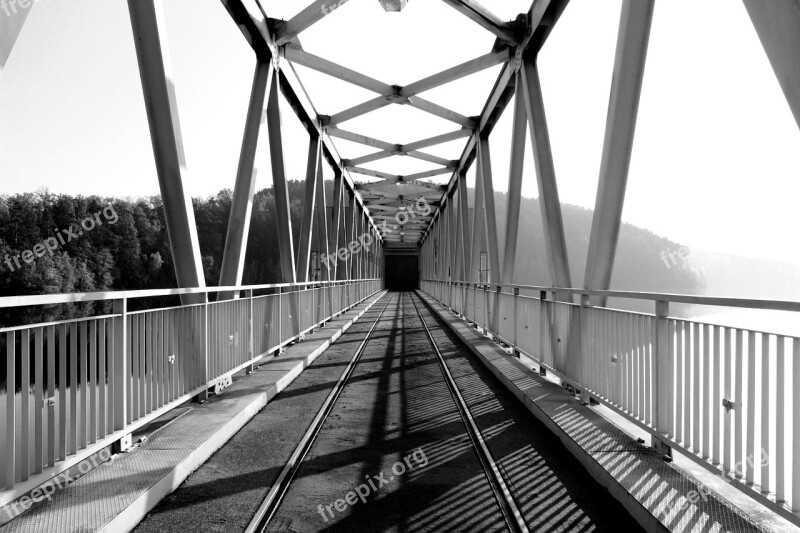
70	388
728	398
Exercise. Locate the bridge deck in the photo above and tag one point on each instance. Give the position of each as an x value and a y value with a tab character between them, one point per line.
394	439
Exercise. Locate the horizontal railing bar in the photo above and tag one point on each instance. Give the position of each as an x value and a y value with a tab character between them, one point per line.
58	323
735	328
50	299
717	301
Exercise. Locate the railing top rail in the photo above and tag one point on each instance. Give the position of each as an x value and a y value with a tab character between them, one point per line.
749	303
51	299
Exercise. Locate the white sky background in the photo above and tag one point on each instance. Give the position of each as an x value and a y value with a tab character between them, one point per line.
715	161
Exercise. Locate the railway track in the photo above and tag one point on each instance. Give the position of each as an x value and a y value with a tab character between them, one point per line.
272	502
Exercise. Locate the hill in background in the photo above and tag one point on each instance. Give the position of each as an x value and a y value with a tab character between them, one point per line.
134	252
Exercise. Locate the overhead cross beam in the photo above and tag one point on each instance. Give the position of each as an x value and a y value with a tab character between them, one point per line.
484	18
392	94
389	149
399	180
286	31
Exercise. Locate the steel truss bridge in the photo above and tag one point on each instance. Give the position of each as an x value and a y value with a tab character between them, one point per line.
702	391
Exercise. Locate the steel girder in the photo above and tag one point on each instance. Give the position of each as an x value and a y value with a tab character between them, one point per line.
149	35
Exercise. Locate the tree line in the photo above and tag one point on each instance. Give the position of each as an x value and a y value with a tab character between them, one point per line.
133	253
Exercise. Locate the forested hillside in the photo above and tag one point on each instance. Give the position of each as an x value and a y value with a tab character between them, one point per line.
127	246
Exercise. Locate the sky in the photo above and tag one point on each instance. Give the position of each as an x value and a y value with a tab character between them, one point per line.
714	166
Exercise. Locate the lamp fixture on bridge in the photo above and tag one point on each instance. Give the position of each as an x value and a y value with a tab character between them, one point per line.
393	5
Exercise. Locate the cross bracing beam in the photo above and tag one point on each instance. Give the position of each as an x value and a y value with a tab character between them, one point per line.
541	18
430	173
552	221
441	112
395	181
321	222
516	168
404	149
438	139
463	70
286	31
406	221
390	204
309	208
484	18
416	220
245	14
626	86
372	173
258	35
389	149
336	220
399	197
778	27
301	57
392	94
233	256
435	159
363	139
148	25
369	106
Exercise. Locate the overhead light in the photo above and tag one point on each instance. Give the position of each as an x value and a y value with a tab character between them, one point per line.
393	5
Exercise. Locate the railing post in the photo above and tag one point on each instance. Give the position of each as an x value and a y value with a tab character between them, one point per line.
517	353
121	373
252	341
280	318
661	372
544	329
496	310
583	345
203	396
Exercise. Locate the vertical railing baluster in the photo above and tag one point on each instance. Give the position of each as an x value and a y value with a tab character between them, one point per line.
780	420
716	400
38	401
103	404
739	368
765	415
727	431
751	405
136	382
11	411
63	425
696	388
52	420
120	357
660	377
73	425
795	425
25	404
83	386
93	382
671	381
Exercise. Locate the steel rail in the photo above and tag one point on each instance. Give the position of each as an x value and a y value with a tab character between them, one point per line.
502	494
280	488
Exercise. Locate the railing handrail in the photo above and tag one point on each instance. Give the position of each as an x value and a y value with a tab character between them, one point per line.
718	301
51	299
